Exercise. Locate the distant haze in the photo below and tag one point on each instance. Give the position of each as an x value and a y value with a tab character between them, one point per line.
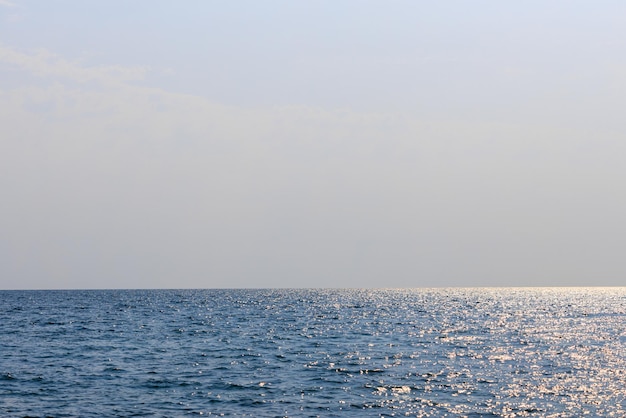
197	144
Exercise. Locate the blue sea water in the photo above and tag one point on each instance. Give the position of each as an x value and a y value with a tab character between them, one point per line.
308	353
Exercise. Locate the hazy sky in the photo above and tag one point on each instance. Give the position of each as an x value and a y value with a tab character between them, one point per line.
354	143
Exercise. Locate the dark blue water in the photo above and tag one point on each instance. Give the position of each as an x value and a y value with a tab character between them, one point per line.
301	353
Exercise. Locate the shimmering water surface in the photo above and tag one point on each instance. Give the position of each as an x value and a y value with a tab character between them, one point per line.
301	353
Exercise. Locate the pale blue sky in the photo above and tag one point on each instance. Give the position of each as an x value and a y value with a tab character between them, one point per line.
312	144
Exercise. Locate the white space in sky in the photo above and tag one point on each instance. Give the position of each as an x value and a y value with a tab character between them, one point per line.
148	144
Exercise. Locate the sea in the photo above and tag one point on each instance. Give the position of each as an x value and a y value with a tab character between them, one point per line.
481	352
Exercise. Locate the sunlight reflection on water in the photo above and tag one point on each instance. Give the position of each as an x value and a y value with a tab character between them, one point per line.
418	352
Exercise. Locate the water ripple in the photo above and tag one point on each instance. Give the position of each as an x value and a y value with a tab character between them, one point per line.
420	353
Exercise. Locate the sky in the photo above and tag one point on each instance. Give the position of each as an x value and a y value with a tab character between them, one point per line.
351	143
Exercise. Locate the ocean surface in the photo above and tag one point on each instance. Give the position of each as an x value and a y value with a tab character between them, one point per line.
309	353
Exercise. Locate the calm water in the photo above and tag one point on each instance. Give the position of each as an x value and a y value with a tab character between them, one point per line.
301	353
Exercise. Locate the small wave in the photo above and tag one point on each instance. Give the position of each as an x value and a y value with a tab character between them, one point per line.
371	371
